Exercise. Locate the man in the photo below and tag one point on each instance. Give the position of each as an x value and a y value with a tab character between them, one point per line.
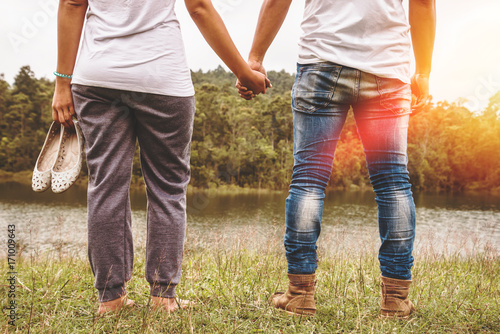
352	53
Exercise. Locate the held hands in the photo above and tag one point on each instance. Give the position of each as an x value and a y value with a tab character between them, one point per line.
245	90
62	103
419	92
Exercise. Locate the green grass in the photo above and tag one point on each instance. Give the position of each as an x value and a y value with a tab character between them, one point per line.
231	286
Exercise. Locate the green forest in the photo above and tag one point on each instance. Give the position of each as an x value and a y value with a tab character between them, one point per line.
249	143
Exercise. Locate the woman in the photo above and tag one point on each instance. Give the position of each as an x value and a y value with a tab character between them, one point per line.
131	81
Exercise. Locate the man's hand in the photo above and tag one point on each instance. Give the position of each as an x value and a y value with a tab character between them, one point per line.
62	103
254	83
246	93
419	92
271	17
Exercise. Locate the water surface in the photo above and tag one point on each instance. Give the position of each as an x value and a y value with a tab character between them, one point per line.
446	223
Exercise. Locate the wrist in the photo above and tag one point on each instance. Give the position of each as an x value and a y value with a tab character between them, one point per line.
423	72
62	78
254	58
63	82
244	72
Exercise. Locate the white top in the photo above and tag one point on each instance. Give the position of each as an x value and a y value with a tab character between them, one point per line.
133	45
369	35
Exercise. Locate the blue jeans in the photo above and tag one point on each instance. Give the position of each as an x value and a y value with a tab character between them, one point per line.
321	98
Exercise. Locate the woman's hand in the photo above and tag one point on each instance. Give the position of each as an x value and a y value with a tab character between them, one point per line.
62	103
70	20
213	29
253	83
247	93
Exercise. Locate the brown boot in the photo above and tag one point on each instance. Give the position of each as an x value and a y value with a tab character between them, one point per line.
395	302
299	298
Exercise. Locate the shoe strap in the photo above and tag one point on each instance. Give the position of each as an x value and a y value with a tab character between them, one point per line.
303	284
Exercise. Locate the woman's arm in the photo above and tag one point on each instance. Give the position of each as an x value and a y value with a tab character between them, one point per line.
213	29
70	19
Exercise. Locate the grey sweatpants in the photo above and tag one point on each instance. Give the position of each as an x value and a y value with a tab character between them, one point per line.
111	121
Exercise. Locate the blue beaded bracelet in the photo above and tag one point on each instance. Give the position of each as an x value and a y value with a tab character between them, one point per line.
67	76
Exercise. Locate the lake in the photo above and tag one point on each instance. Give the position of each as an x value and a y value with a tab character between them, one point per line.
447	224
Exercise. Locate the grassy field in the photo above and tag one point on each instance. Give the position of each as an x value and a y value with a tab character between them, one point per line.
55	294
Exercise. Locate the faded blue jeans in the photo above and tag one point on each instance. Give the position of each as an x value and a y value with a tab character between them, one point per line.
321	98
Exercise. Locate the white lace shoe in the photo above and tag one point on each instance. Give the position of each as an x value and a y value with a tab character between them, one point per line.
47	158
69	159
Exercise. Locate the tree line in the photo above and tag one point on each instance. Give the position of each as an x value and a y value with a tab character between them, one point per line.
250	144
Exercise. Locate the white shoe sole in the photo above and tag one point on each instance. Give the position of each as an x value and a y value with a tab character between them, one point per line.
41	179
69	160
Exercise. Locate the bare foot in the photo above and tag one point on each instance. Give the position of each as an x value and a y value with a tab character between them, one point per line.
169	304
115	305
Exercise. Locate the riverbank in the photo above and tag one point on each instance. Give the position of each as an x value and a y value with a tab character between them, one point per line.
24	177
231	286
137	185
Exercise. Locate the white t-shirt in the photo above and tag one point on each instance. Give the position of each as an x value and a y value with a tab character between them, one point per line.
133	45
369	35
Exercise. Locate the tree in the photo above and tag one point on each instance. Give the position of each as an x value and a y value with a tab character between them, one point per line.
250	143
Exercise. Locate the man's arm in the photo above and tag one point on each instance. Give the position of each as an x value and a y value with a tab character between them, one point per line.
70	19
215	33
422	18
271	17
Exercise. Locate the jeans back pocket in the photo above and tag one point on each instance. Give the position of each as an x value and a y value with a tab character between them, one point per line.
395	95
314	86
